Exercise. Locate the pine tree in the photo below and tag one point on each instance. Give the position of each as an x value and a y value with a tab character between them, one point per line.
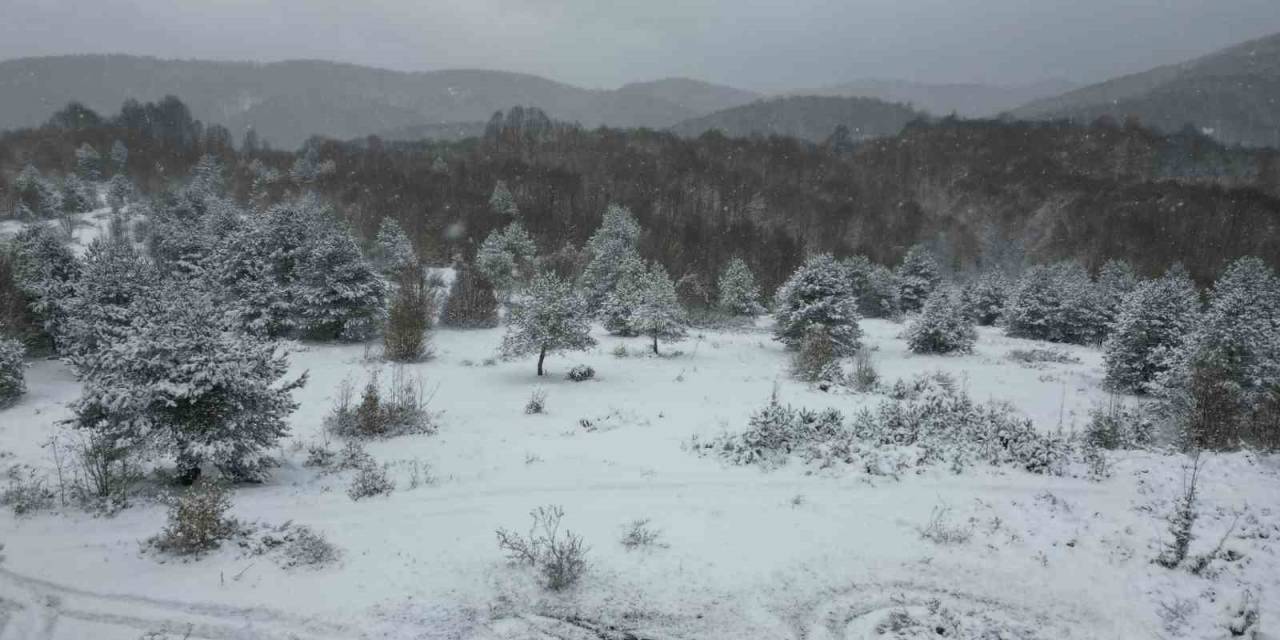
119	158
34	197
409	318
619	305
1057	303
506	258
45	271
393	252
918	276
76	196
739	293
113	278
180	380
942	326
1116	280
612	245
875	287
657	313
1151	326
12	378
553	318
207	179
984	297
119	192
88	163
339	295
471	303
502	202
818	293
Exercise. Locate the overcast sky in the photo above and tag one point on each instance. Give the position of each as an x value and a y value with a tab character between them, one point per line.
758	45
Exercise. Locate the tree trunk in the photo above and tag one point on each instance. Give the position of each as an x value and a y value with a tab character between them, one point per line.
542	355
655	343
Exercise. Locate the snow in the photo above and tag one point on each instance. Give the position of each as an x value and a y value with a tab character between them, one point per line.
794	552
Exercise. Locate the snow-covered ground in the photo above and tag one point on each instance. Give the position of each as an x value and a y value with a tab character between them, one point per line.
793	552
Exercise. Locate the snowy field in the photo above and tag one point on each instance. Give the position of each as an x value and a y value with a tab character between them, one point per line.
795	552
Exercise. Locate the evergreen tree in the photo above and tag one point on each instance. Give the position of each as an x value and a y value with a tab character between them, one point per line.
34	197
339	296
918	276
739	293
207	179
874	286
45	271
657	313
506	258
119	193
88	163
1116	280
611	247
12	378
942	326
553	318
502	202
179	380
393	252
113	278
471	303
76	196
983	298
818	293
409	318
619	305
119	158
1151	326
1058	303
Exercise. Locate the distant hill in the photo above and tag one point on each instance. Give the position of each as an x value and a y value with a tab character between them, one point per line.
286	102
966	100
812	118
1232	94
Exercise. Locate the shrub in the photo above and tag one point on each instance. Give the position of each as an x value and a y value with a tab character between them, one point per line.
816	359
12	379
1118	426
941	327
106	471
471	303
865	378
581	373
370	480
409	319
198	521
620	351
1038	356
638	534
561	559
537	402
27	492
304	547
940	529
403	411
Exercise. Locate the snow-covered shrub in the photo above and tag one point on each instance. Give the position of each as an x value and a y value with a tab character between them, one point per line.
506	258
537	402
1058	303
865	377
198	521
1151	325
738	293
392	250
818	293
403	410
471	303
26	491
612	247
1041	356
1220	386
1182	519
1244	616
105	471
639	534
12	376
552	318
405	338
305	547
370	480
816	360
940	530
983	298
560	558
581	373
917	276
1117	425
942	326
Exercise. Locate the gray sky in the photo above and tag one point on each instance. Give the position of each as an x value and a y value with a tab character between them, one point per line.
758	45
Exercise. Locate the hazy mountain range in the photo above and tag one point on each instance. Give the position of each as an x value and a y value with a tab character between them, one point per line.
967	100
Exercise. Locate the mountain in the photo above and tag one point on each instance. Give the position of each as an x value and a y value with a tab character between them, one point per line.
1232	94
966	100
812	118
286	102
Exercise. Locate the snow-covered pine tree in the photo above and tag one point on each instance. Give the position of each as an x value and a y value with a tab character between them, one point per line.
471	303
1056	302
12	376
552	318
180	380
506	258
45	270
1151	326
88	163
616	311
657	313
392	250
114	277
818	293
942	326
339	296
502	202
1116	280
611	246
34	197
875	287
119	158
76	196
738	292
119	192
983	298
1220	387
918	276
207	177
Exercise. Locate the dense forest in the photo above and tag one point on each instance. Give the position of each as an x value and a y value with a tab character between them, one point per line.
979	193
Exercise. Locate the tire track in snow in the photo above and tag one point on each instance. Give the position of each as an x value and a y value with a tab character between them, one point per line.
31	608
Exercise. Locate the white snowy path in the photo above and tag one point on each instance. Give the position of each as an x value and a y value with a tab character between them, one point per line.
791	553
